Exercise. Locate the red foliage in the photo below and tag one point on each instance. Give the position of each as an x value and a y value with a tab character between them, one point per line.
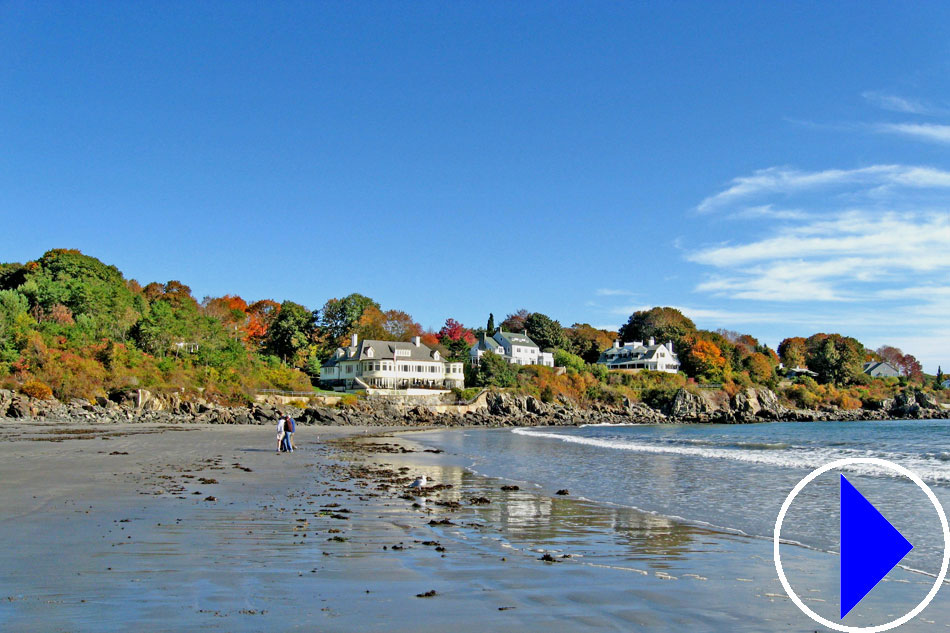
455	331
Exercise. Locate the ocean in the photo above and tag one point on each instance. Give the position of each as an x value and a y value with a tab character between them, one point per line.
730	478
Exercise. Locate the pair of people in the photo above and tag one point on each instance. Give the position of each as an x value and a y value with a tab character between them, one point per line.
285	434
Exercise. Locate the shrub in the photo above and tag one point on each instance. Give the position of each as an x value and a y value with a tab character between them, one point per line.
37	389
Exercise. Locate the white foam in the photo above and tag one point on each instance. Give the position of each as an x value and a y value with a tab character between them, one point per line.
793	457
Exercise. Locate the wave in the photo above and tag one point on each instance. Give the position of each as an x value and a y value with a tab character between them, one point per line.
934	469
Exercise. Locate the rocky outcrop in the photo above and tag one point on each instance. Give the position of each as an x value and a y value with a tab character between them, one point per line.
499	409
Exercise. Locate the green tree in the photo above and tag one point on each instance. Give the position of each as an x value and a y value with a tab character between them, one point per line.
291	332
545	331
836	359
493	370
85	286
563	358
662	324
340	317
490	328
15	325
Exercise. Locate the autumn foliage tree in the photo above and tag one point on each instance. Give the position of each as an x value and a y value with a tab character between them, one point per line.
705	360
456	338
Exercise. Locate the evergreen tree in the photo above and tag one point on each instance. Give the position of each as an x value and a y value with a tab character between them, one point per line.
491	324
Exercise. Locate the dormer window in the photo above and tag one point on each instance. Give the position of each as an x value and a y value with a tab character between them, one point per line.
436	355
369	352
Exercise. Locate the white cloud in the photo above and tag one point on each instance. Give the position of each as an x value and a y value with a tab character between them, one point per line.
895	103
866	252
930	132
613	292
785	181
768	211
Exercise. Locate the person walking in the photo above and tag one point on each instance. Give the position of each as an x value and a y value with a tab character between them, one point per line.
290	427
281	433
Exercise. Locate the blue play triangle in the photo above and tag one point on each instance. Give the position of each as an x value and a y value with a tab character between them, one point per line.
870	546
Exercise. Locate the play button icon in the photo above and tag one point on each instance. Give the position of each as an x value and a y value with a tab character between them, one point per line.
870	546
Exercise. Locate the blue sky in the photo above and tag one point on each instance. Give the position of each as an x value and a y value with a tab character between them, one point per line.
774	168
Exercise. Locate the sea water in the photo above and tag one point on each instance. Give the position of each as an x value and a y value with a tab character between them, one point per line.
732	478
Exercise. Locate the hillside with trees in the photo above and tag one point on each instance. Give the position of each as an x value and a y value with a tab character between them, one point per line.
74	327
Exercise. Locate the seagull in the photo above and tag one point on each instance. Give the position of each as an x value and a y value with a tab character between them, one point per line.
420	482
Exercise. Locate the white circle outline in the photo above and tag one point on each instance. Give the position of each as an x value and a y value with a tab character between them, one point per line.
839	464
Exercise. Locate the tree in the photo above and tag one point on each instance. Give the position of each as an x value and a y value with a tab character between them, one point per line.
85	286
759	367
400	325
938	381
563	358
705	360
515	322
792	351
339	317
490	328
545	331
260	316
662	324
290	332
588	342
908	365
15	325
837	359
493	370
456	338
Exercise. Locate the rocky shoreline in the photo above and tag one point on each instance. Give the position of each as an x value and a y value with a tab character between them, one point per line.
499	409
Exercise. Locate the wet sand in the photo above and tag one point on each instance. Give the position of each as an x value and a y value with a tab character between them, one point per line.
115	528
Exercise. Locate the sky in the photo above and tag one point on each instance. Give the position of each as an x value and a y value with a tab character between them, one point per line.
779	169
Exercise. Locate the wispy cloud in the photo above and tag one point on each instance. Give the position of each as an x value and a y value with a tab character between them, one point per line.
829	260
774	181
768	211
613	292
929	132
895	103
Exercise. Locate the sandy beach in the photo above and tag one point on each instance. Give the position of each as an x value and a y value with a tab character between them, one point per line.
121	527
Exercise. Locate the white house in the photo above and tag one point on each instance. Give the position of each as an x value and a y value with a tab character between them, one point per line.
390	365
517	349
653	356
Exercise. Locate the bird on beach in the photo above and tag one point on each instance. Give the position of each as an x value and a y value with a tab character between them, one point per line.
420	482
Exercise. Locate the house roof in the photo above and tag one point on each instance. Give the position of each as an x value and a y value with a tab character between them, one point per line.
485	344
514	338
386	350
632	352
880	367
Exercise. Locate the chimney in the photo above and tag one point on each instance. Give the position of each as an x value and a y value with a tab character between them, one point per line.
617	343
669	344
416	340
526	332
652	341
352	340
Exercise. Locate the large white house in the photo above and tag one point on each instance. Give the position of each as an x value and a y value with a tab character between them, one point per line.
637	355
390	365
517	349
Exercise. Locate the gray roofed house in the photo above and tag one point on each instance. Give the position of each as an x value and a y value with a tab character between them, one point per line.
384	365
638	356
881	369
516	348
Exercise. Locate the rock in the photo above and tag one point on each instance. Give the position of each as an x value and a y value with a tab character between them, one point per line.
926	400
689	406
563	492
19	407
